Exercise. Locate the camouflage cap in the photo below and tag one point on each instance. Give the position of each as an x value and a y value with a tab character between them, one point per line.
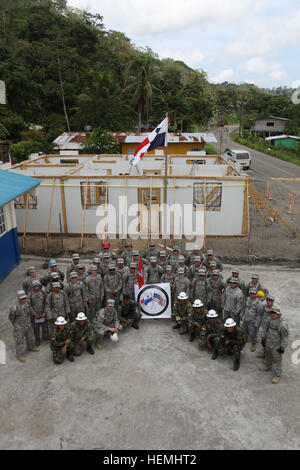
215	272
94	268
270	297
163	253
36	282
168	267
252	291
201	272
129	243
135	253
106	256
197	258
132	265
31	269
75	256
80	266
153	259
275	309
180	271
21	294
73	274
56	284
111	266
110	303
181	258
233	280
210	252
235	271
152	243
120	260
96	260
254	276
176	248
54	275
212	263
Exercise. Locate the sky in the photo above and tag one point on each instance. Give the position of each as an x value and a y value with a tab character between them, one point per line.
254	41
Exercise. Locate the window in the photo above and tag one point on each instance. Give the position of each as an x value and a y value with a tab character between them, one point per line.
96	194
2	222
270	124
69	162
20	202
213	195
130	151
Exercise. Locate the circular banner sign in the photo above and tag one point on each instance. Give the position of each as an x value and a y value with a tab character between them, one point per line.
154	300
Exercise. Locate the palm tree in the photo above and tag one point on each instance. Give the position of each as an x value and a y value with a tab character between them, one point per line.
141	86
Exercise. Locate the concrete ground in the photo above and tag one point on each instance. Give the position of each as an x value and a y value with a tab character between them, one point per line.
152	390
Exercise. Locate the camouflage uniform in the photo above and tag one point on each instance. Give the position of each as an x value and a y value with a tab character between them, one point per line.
57	305
128	285
123	271
78	332
27	284
233	303
252	311
181	285
276	335
182	312
170	279
153	275
201	290
190	259
129	312
242	284
113	283
127	257
193	272
71	268
219	264
38	305
196	320
211	333
185	267
103	321
173	261
77	295
20	317
49	286
258	287
236	342
149	253
95	290
217	288
57	342
47	277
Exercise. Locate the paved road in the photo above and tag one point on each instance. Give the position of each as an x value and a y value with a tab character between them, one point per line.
263	166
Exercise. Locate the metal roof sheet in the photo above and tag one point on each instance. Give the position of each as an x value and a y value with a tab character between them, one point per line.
283	136
13	185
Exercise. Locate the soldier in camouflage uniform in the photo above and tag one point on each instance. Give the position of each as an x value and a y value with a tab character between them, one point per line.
181	284
250	316
82	331
236	274
54	277
113	285
263	319
217	287
197	319
72	267
173	258
191	258
127	253
20	316
129	313
151	252
194	268
232	301
77	296
105	265
211	333
200	288
169	278
61	341
163	260
81	274
129	281
57	305
121	268
37	299
95	292
232	342
275	339
182	312
30	278
106	251
209	258
52	269
106	322
181	264
256	284
154	272
96	262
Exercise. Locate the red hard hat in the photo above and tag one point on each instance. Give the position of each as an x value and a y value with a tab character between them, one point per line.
105	245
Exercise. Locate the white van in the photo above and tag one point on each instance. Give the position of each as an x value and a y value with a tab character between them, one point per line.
238	156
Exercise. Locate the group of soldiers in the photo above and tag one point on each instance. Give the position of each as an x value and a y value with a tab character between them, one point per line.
87	304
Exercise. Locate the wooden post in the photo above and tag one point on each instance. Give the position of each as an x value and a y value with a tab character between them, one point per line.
26	218
204	241
63	204
84	212
174	200
105	208
50	213
150	213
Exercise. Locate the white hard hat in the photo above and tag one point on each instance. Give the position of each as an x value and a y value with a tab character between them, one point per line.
114	337
229	323
81	316
182	296
60	321
212	314
197	303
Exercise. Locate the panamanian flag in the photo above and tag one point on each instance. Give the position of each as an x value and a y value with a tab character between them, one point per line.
157	138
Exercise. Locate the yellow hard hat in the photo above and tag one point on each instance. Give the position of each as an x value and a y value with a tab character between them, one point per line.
260	293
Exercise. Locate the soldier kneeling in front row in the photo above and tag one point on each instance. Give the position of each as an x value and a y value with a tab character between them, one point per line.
129	312
232	342
211	333
82	331
61	341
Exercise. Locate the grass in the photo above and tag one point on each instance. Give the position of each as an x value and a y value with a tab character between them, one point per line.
256	143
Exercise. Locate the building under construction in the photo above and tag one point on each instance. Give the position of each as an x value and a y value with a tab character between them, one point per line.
77	190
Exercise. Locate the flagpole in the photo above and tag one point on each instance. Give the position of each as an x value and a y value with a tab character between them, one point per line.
166	185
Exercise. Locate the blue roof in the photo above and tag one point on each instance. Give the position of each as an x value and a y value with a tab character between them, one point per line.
13	185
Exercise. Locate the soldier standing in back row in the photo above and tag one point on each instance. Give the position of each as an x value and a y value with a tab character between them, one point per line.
95	292
200	288
77	296
232	301
30	278
72	267
57	305
20	316
113	285
217	287
52	269
154	273
253	309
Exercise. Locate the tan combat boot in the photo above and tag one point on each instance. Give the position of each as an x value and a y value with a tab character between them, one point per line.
253	347
260	355
21	359
34	349
99	346
275	380
264	368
